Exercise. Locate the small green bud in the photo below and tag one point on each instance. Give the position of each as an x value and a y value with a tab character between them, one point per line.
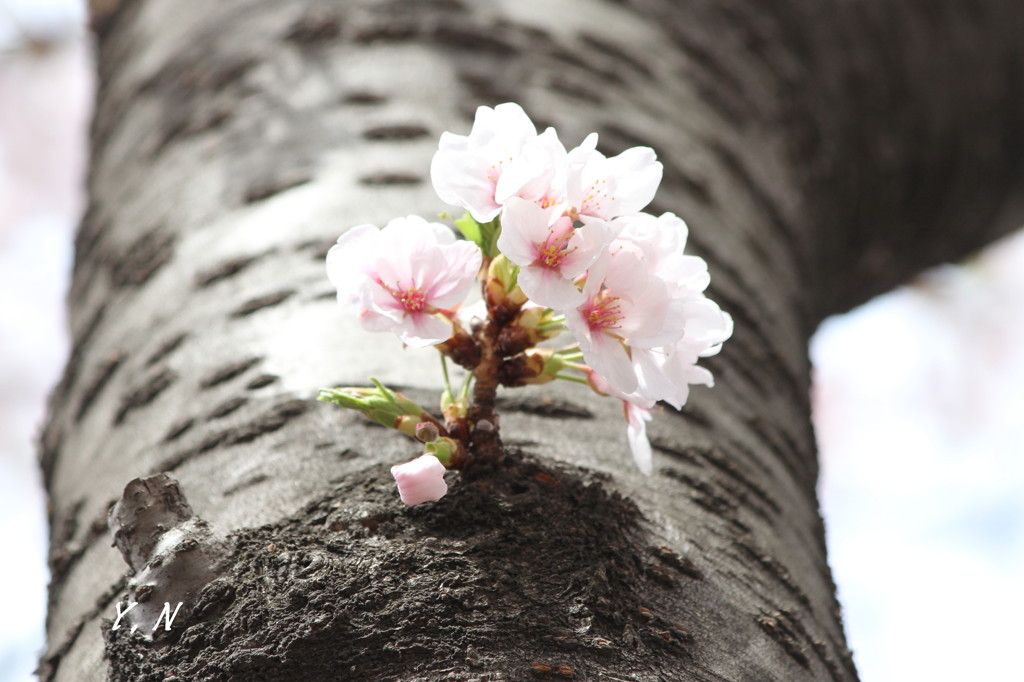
442	448
454	408
380	404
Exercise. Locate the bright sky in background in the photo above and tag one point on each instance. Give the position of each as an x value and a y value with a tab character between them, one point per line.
919	409
919	406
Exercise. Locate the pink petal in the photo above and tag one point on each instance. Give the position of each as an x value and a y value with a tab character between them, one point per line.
420	480
448	285
523	226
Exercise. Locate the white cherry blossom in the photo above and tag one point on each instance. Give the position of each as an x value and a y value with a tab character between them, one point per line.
605	187
502	157
405	278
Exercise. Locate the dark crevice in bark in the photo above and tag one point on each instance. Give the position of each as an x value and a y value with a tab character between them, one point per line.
49	665
318	26
178	429
228	372
142	395
273	419
263	302
166	348
82	338
261	381
710	456
265	188
224	270
363	98
225	408
544	407
142	258
390	178
101	378
775	569
396	131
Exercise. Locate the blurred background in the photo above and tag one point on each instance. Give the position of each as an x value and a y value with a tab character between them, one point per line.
918	397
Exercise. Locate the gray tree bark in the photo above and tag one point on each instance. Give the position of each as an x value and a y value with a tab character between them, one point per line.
821	151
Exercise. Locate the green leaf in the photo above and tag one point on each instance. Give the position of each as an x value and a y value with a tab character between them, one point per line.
489	236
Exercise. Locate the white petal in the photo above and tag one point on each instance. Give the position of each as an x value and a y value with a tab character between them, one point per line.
608	358
350	261
636	434
637	174
466	169
547	287
585	246
420	330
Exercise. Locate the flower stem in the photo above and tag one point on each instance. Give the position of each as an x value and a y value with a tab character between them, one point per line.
484	441
569	377
444	370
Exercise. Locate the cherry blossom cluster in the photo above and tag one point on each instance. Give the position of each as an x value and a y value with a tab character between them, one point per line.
558	242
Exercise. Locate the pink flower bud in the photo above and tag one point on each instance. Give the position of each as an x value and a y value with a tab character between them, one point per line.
426	432
420	480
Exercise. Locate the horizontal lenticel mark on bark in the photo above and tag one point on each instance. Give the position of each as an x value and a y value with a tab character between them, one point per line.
228	372
390	178
166	349
399	131
261	302
224	270
144	394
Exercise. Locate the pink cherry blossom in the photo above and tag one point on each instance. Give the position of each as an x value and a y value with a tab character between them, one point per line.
405	278
605	187
625	306
502	157
420	480
550	256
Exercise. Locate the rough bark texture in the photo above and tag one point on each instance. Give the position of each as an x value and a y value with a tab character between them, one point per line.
821	152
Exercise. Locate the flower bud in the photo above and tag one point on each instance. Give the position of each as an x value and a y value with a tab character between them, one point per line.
541	323
527	368
514	339
427	432
501	290
462	349
454	408
380	404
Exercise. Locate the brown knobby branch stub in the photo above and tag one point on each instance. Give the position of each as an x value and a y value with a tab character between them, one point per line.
172	553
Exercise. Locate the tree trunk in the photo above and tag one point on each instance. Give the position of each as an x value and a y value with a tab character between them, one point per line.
821	151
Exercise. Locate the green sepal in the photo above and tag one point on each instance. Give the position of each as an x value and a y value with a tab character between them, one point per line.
443	448
484	235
